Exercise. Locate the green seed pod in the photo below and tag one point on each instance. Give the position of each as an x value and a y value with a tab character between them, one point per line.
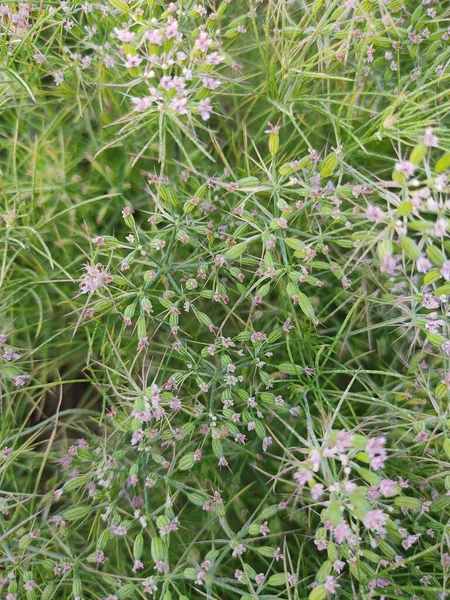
49	592
186	462
77	588
274	143
138	546
329	165
103	539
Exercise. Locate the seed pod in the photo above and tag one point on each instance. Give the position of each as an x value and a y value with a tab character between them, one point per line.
76	513
443	163
24	541
49	592
265	551
186	462
410	248
306	306
217	447
77	588
418	153
127	590
324	571
408	502
277	579
236	251
274	143
141	328
138	546
103	539
197	498
190	573
329	165
436	256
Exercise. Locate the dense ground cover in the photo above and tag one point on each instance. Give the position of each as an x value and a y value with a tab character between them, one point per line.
224	284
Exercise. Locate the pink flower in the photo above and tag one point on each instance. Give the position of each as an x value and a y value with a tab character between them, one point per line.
11	354
58	78
375	520
406	167
341	532
388	487
430	140
123	34
20	380
141	104
214	58
303	476
132	61
30	585
137	566
317	491
272	129
149	586
267	441
331	584
344	440
376	451
154	37
166	82
171	30
203	42
264	529
239	550
423	265
179	105
440	227
205	108
210	83
338	565
374	214
388	265
445	270
95	278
